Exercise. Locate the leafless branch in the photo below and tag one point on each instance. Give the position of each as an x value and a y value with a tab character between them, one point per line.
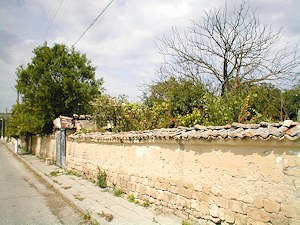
234	49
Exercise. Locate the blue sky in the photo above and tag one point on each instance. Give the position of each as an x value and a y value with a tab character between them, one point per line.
121	44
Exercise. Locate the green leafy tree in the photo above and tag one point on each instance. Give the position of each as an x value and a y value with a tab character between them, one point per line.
57	81
25	120
181	95
117	114
251	104
266	100
107	111
291	103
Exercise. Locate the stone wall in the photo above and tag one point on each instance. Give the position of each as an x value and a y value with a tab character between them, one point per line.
233	174
43	146
241	181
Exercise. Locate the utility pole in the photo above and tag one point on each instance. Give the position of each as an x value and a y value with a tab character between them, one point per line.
5	124
2	129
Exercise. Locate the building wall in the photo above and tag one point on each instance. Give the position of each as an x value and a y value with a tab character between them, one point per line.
235	181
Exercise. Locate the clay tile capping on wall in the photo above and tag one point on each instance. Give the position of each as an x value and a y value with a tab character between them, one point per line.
284	130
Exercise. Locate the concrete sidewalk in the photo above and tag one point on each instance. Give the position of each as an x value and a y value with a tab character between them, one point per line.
93	200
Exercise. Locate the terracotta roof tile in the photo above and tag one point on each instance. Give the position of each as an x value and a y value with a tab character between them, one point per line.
284	130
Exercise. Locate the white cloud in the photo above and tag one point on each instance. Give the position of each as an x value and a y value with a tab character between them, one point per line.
121	44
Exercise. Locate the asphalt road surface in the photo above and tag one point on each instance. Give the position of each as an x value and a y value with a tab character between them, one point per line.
25	198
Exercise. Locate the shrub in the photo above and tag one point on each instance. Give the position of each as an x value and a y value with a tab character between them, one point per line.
146	203
107	216
118	192
73	173
101	178
131	198
54	173
185	223
87	216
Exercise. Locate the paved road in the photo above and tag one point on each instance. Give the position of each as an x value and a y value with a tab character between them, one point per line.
25	198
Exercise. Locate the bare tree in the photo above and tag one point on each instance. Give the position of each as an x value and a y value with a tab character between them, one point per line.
229	49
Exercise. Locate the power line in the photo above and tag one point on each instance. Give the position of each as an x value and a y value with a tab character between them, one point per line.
60	15
92	23
53	19
44	26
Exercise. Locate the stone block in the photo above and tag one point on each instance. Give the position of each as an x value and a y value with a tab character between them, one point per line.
197	214
222	213
138	187
224	223
195	195
167	196
291	210
174	189
202	222
141	180
173	182
151	182
226	179
153	192
229	216
180	201
204	208
160	194
222	202
157	185
198	186
142	189
247	199
255	222
212	222
188	203
187	193
237	206
271	206
147	190
276	175
232	193
188	185
145	181
163	203
258	202
171	206
199	207
151	200
294	222
172	198
202	197
191	217
240	219
194	203
214	210
164	186
279	219
216	191
258	214
206	189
